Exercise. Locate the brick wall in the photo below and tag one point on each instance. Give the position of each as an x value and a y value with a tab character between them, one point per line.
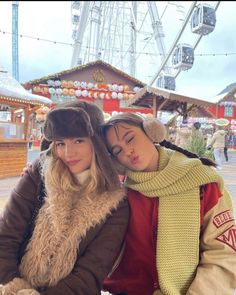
13	158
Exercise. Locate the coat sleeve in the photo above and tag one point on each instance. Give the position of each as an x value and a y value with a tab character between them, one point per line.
97	258
216	273
14	222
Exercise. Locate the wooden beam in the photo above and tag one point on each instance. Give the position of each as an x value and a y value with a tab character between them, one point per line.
154	106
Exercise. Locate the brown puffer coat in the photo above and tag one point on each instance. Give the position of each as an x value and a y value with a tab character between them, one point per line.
79	254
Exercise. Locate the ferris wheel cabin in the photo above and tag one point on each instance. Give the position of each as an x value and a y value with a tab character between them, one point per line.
203	19
166	81
183	57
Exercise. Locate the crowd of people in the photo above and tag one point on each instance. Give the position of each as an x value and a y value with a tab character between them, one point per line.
115	206
217	140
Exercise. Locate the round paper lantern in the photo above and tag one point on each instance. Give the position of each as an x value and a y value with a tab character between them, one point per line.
76	84
51	90
45	90
36	89
64	84
70	84
59	91
136	89
50	82
90	94
95	94
65	91
57	83
84	93
71	92
114	95
102	95
90	85
126	87
78	92
120	88
108	96
120	95
83	84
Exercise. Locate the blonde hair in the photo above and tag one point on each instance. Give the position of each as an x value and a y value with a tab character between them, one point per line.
58	175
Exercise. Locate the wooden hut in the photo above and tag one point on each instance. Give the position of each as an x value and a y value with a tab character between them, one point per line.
159	99
16	105
97	81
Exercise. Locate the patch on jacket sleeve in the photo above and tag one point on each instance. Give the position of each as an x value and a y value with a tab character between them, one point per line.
223	218
228	237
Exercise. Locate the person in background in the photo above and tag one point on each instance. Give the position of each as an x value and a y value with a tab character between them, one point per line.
227	145
65	221
218	143
181	234
183	133
31	139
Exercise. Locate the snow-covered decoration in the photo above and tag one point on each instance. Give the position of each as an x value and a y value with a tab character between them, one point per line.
13	90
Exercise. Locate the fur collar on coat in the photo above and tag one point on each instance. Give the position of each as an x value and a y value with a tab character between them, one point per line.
61	224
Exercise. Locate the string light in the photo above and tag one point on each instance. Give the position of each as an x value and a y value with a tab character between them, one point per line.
114	49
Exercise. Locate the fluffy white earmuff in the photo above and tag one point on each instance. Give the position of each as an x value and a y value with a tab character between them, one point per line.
155	130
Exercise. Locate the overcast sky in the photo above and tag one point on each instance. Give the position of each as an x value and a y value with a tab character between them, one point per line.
52	21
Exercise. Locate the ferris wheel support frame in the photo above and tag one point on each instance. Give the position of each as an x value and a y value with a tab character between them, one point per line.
133	33
174	44
15	50
80	33
158	30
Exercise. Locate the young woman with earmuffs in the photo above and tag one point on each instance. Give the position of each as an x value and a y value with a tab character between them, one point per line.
181	234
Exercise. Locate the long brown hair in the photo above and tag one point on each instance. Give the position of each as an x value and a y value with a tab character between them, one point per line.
137	121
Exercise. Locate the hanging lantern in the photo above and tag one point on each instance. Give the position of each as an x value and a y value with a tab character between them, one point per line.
59	91
114	95
84	93
41	113
71	92
120	95
51	90
65	91
120	88
102	95
78	92
108	95
57	83
76	84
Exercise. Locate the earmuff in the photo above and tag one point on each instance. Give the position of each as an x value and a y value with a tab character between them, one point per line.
155	130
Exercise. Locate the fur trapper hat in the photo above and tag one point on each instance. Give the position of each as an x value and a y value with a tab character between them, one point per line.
81	119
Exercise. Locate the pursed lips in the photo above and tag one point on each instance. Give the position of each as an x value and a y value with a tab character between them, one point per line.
134	159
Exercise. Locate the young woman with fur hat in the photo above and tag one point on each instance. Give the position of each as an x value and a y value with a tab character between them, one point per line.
64	239
181	234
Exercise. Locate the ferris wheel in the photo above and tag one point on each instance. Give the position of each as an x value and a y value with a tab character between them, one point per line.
152	41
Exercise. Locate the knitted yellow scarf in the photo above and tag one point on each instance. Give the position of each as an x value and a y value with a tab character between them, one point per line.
177	185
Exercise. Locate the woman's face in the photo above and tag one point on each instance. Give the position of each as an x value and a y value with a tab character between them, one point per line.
132	148
76	153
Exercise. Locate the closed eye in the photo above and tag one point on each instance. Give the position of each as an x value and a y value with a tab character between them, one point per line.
130	139
116	152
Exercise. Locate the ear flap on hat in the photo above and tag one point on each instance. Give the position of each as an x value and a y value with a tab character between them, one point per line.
155	130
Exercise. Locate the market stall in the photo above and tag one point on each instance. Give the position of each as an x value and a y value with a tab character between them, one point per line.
16	105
